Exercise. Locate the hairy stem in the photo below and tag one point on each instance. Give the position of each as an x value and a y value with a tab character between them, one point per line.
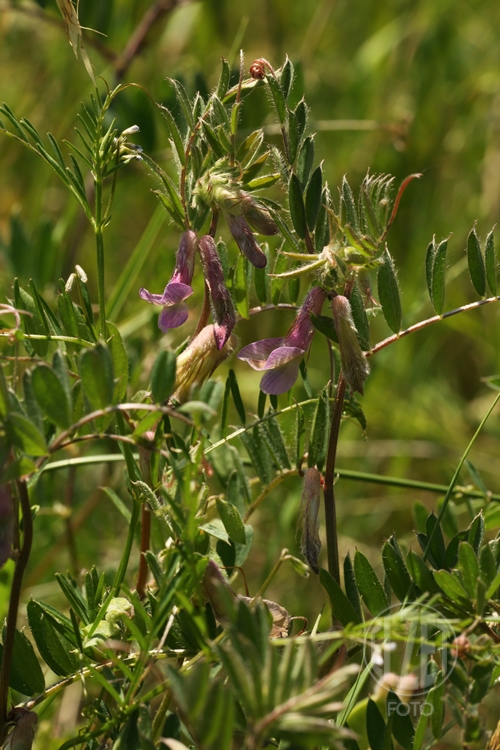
15	594
329	492
428	322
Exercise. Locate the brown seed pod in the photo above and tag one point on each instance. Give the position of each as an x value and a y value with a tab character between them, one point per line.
258	68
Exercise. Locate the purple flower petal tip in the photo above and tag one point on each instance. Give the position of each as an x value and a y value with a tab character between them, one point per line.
221	335
155	299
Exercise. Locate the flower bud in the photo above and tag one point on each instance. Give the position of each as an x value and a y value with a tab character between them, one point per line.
23	734
309	521
243	236
222	303
354	364
260	219
198	361
217	591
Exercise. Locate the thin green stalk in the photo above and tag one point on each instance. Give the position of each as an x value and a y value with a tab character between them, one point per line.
15	595
100	256
455	477
120	573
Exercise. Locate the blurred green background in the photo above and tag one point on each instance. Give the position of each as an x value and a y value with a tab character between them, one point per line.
397	86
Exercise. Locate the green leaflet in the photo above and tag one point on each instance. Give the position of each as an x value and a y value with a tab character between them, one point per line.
313	198
388	291
435	265
451	587
278	98
318	441
53	646
24	434
469	568
305	160
163	376
475	260
402	726
297	208
369	586
51	396
232	521
396	571
240	287
96	371
348	213
342	608
235	392
490	262
26	675
351	587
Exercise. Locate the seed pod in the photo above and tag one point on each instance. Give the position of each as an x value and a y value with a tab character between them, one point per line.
354	363
308	522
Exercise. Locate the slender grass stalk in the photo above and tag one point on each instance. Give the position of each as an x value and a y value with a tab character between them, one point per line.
15	595
100	256
454	480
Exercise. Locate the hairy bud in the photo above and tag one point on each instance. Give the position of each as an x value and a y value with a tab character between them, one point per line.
309	522
354	364
198	361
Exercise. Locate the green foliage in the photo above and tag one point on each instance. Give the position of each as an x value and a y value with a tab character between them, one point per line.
156	621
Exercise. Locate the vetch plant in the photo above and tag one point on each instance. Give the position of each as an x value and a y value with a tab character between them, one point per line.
170	654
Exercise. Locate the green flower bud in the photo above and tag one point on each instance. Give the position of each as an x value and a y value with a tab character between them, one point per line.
309	522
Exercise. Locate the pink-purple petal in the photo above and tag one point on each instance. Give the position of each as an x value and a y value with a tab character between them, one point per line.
176	292
256	354
155	299
281	379
173	316
282	355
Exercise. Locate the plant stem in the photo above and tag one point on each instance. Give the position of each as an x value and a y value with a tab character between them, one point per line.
120	573
329	492
100	256
428	322
15	594
145	540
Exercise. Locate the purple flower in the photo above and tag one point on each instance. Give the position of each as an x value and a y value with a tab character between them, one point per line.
222	304
280	357
175	310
